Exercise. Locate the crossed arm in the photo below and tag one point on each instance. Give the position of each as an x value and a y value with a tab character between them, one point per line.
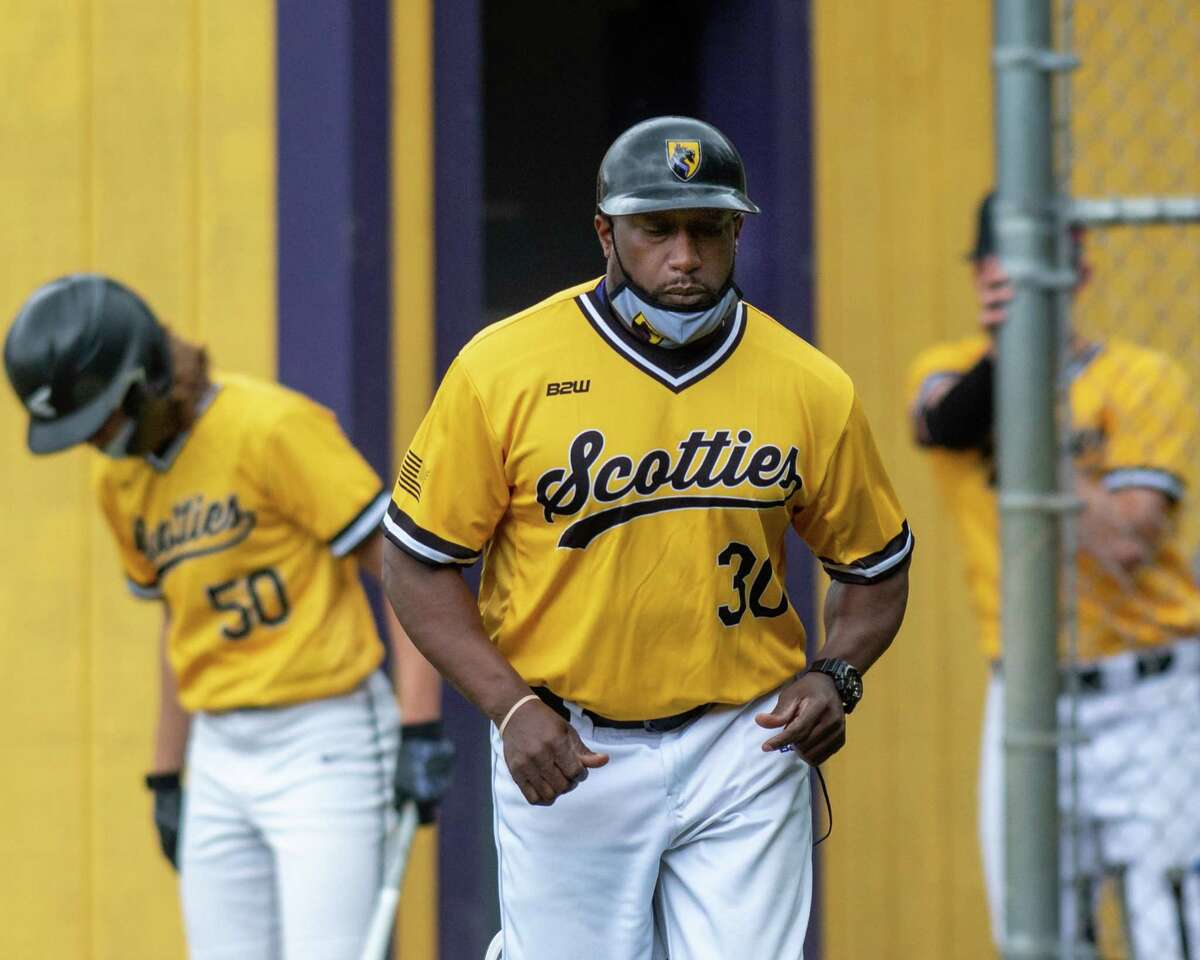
1121	529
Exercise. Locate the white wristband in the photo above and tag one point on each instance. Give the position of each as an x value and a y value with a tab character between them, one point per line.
513	709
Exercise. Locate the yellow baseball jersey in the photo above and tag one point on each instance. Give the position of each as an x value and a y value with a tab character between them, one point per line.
1132	426
631	502
244	527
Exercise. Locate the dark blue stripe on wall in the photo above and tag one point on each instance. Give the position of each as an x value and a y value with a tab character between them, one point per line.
468	913
334	210
333	77
458	175
756	86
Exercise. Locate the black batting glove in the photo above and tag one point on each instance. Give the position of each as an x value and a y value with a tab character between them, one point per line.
424	768
168	803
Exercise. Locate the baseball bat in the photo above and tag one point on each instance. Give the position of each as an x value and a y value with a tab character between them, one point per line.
396	848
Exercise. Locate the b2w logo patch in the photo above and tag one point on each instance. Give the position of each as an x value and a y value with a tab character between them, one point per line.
568	386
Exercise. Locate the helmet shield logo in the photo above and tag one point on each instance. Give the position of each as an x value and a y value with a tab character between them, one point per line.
39	404
683	157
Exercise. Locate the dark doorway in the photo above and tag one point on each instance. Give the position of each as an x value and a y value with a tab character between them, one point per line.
560	82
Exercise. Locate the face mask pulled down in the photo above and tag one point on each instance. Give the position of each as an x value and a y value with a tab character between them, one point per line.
121	444
150	421
669	327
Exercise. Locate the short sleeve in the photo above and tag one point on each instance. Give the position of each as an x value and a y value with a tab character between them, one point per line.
853	523
451	490
320	481
1151	426
140	576
939	364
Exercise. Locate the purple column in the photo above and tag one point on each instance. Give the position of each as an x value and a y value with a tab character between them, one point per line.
468	909
756	86
333	212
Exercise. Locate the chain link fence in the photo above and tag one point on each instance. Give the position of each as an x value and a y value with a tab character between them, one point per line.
1127	155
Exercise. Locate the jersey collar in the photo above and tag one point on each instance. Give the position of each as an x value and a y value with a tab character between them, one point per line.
1081	360
162	461
675	369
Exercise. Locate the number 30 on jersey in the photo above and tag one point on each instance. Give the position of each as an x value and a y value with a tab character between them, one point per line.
752	599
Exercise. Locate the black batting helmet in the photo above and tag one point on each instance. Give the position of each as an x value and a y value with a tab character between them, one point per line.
986	243
79	348
671	163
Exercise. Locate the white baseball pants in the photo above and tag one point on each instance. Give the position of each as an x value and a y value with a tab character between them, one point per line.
285	812
694	837
1138	783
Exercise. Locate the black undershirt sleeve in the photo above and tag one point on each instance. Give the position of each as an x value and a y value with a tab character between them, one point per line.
962	418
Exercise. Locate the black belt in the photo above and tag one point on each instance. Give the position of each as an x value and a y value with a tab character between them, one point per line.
657	725
1093	679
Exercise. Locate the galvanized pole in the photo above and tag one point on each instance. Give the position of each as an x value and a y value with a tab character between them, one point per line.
1026	448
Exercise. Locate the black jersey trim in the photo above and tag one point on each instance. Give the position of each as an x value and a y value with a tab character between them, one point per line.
580	534
404	532
875	566
599	317
364	524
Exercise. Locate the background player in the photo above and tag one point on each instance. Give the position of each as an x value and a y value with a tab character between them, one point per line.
243	508
1138	608
629	454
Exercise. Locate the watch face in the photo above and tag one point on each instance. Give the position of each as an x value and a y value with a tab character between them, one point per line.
849	684
846	679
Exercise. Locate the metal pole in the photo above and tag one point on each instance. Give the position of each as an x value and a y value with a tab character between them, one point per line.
1027	448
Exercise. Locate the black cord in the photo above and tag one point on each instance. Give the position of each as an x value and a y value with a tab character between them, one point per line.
828	807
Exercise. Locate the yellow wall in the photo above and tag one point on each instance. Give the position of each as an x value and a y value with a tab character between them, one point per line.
138	139
412	353
902	154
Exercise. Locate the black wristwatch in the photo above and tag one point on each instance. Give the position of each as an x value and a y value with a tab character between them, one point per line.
845	677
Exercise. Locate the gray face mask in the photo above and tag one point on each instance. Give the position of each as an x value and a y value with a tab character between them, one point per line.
666	327
119	446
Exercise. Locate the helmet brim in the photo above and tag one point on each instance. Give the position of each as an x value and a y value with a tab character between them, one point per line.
682	198
52	436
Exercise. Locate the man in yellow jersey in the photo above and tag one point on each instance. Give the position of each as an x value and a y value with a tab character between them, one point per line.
242	507
1138	609
627	456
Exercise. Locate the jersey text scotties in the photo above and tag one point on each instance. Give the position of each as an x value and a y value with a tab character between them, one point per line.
193	520
703	462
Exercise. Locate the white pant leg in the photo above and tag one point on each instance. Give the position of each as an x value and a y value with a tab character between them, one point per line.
1191	901
737	878
325	812
577	878
992	824
227	872
991	802
1146	753
312	785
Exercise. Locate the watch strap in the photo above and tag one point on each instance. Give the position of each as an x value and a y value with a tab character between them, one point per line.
840	672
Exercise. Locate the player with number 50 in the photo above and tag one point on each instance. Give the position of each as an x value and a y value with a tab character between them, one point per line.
245	511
